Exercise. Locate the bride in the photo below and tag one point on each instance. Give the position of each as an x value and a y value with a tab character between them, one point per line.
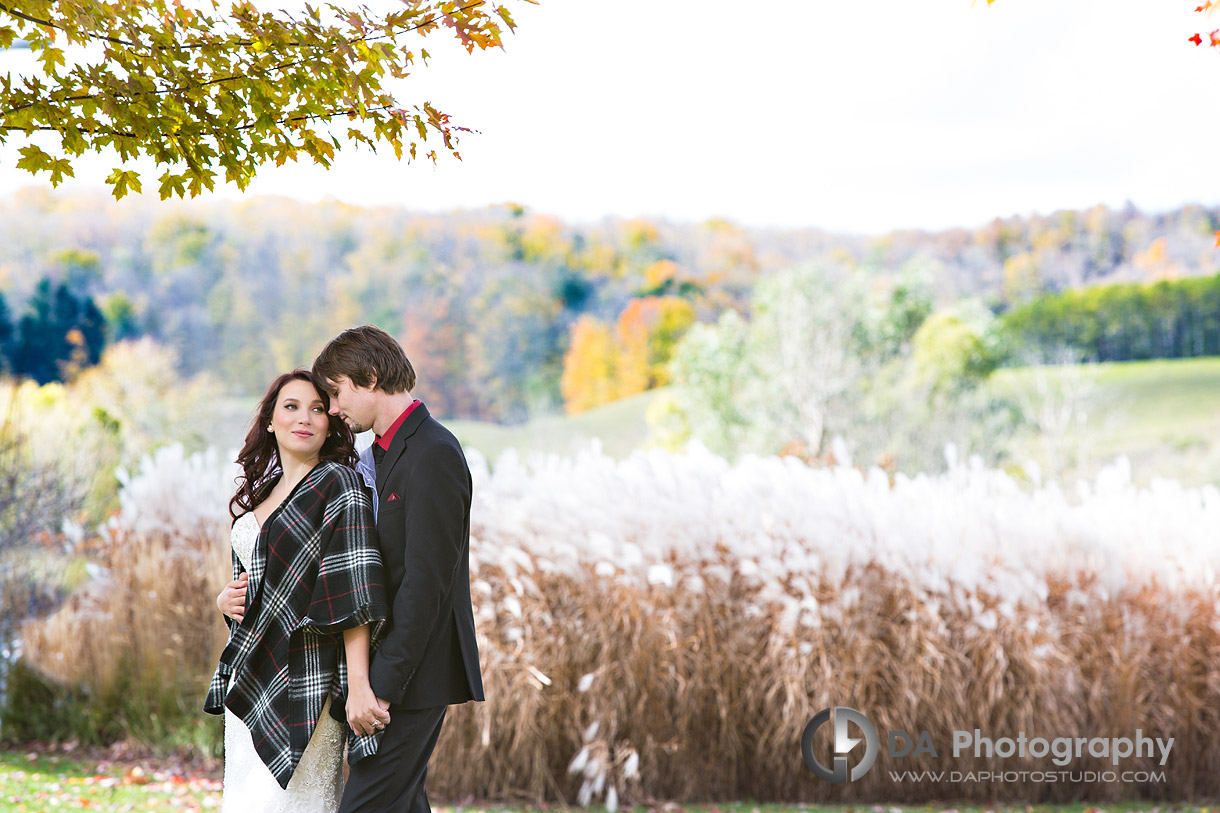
306	603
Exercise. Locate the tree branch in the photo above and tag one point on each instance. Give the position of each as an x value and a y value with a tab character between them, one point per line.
328	115
230	43
180	89
49	129
49	24
303	117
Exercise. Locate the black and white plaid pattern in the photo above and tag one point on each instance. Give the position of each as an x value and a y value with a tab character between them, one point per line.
315	572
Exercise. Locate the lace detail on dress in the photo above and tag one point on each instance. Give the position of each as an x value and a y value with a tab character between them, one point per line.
316	785
249	787
244	537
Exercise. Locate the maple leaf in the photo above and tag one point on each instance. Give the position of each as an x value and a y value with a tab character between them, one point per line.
1218	239
171	84
1196	39
1215	37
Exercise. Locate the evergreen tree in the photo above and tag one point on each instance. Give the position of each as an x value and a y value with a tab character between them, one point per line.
59	334
7	344
37	345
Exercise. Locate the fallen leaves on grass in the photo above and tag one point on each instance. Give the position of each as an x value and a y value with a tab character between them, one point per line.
107	788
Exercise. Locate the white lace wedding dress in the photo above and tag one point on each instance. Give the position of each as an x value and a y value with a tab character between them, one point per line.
249	787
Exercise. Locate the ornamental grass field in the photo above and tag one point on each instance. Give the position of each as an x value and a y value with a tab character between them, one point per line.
663	627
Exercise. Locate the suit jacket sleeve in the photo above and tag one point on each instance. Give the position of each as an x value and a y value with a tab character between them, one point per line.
437	504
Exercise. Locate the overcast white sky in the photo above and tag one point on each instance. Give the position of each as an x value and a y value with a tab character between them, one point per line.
847	115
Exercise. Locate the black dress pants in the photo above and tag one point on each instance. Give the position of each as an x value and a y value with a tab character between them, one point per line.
393	778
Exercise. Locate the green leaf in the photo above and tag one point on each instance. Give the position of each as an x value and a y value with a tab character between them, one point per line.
122	181
172	184
217	89
59	168
33	159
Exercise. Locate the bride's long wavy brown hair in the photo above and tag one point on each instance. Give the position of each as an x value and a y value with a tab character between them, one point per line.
260	457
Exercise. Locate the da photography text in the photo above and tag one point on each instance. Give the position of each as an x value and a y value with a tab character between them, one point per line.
852	728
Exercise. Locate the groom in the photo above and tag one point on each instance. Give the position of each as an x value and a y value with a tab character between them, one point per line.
428	658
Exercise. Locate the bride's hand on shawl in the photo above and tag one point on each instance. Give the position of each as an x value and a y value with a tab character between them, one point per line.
232	599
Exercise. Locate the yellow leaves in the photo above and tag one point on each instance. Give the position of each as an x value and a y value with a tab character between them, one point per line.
659	274
506	17
172	184
122	181
34	159
640	233
588	367
1156	263
1022	280
322	150
177	86
1152	256
51	58
603	365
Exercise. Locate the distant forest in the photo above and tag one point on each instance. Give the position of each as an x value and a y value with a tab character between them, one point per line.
487	302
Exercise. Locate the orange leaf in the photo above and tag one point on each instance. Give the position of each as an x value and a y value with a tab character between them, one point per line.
1218	239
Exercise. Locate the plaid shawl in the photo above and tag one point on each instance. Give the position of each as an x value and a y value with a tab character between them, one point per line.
315	572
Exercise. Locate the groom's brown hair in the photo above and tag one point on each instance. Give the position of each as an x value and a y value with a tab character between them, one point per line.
364	354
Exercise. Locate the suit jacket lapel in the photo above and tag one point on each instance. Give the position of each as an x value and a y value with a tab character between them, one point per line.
398	445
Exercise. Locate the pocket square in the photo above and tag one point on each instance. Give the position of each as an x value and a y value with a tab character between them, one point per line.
393	496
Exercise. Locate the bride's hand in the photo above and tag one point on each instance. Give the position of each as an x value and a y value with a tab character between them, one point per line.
232	599
365	713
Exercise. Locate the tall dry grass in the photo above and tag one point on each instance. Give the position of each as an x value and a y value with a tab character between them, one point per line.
714	702
134	642
664	627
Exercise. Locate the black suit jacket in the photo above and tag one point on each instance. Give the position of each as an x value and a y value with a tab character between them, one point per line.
428	655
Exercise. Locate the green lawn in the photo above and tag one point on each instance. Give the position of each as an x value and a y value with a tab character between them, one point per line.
1164	415
30	781
620	426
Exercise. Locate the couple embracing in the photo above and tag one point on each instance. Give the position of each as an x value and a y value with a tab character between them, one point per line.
350	623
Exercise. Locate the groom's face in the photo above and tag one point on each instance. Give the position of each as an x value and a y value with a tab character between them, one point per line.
355	405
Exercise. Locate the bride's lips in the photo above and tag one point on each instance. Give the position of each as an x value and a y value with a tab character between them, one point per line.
301	434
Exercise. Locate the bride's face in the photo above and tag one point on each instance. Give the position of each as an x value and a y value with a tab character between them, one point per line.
300	422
